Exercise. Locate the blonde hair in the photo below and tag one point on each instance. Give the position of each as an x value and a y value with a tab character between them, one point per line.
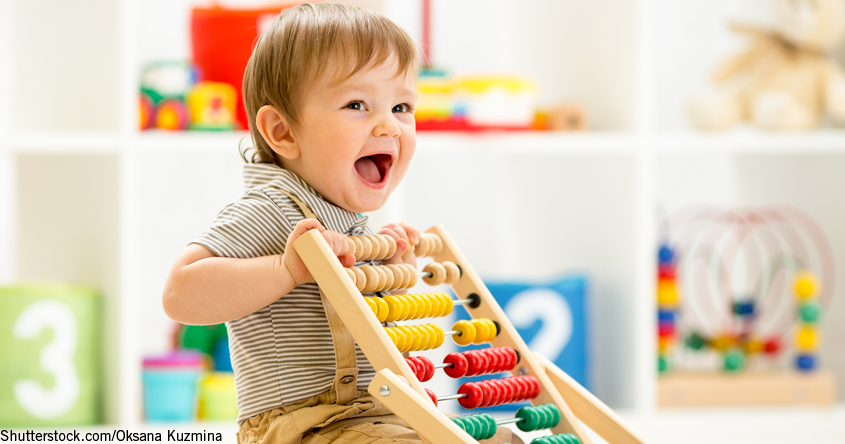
296	49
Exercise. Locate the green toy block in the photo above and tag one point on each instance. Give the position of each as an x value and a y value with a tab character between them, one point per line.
50	373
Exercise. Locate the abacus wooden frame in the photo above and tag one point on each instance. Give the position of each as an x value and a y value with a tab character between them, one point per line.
409	401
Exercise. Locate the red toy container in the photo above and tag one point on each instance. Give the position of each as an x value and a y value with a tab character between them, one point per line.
222	41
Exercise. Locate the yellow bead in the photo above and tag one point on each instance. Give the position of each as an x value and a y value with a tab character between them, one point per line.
435	304
372	304
482	331
394	305
807	338
420	301
407	308
405	339
467	332
448	304
440	335
383	309
722	342
753	346
425	300
805	285
432	336
425	339
397	336
411	312
493	330
414	335
667	294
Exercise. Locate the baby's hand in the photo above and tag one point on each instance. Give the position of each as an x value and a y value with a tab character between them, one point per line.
405	236
338	242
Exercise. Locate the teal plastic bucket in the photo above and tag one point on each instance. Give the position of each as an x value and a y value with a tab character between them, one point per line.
170	395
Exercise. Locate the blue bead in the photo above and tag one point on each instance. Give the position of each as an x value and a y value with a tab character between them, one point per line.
665	255
666	315
744	308
805	362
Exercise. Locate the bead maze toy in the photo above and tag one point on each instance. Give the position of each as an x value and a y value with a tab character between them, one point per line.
734	286
559	403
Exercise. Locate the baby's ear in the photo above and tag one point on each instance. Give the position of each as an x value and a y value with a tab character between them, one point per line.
276	131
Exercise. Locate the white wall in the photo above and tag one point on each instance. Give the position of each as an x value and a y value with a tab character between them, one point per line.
65	84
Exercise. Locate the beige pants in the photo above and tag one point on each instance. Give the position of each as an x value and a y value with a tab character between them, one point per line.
316	421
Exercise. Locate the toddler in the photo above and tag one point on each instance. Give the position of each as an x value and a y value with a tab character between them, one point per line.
329	91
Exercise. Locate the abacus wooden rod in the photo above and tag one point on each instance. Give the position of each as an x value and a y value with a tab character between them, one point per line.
416	410
589	409
470	283
351	307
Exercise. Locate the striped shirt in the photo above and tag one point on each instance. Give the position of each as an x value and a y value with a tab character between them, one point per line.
284	352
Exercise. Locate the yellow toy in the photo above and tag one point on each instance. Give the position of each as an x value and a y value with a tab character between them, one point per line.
212	106
786	79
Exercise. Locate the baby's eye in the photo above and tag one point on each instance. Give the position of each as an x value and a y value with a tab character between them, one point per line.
356	105
402	108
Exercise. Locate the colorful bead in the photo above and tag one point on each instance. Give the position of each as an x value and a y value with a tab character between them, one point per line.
807	338
734	360
810	312
695	341
805	285
805	362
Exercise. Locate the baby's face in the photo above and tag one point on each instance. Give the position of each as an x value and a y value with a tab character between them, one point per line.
357	137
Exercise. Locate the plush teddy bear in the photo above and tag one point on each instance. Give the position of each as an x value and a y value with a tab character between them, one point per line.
786	79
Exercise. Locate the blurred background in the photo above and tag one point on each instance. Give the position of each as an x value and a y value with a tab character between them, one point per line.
678	227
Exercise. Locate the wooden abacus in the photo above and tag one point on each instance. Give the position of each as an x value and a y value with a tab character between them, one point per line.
397	383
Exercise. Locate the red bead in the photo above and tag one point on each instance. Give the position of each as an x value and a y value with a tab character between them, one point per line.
536	386
416	366
474	395
496	359
459	365
666	271
499	392
526	388
666	329
432	396
487	393
485	362
520	388
473	363
514	359
772	345
507	391
429	368
413	364
504	359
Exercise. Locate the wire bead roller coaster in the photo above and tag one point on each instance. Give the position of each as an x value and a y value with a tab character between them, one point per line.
559	403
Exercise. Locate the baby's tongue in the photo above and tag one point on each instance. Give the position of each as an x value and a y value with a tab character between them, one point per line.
368	169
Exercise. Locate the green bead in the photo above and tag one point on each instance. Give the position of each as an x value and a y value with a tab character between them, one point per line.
474	424
540	440
695	341
662	364
460	422
491	425
810	312
734	360
545	418
555	415
483	427
469	426
531	419
571	439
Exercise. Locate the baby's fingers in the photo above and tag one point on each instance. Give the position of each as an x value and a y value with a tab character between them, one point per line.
339	244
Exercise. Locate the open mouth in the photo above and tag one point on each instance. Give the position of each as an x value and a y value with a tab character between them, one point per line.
373	169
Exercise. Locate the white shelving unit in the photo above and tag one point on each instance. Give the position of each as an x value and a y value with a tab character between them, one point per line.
528	205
